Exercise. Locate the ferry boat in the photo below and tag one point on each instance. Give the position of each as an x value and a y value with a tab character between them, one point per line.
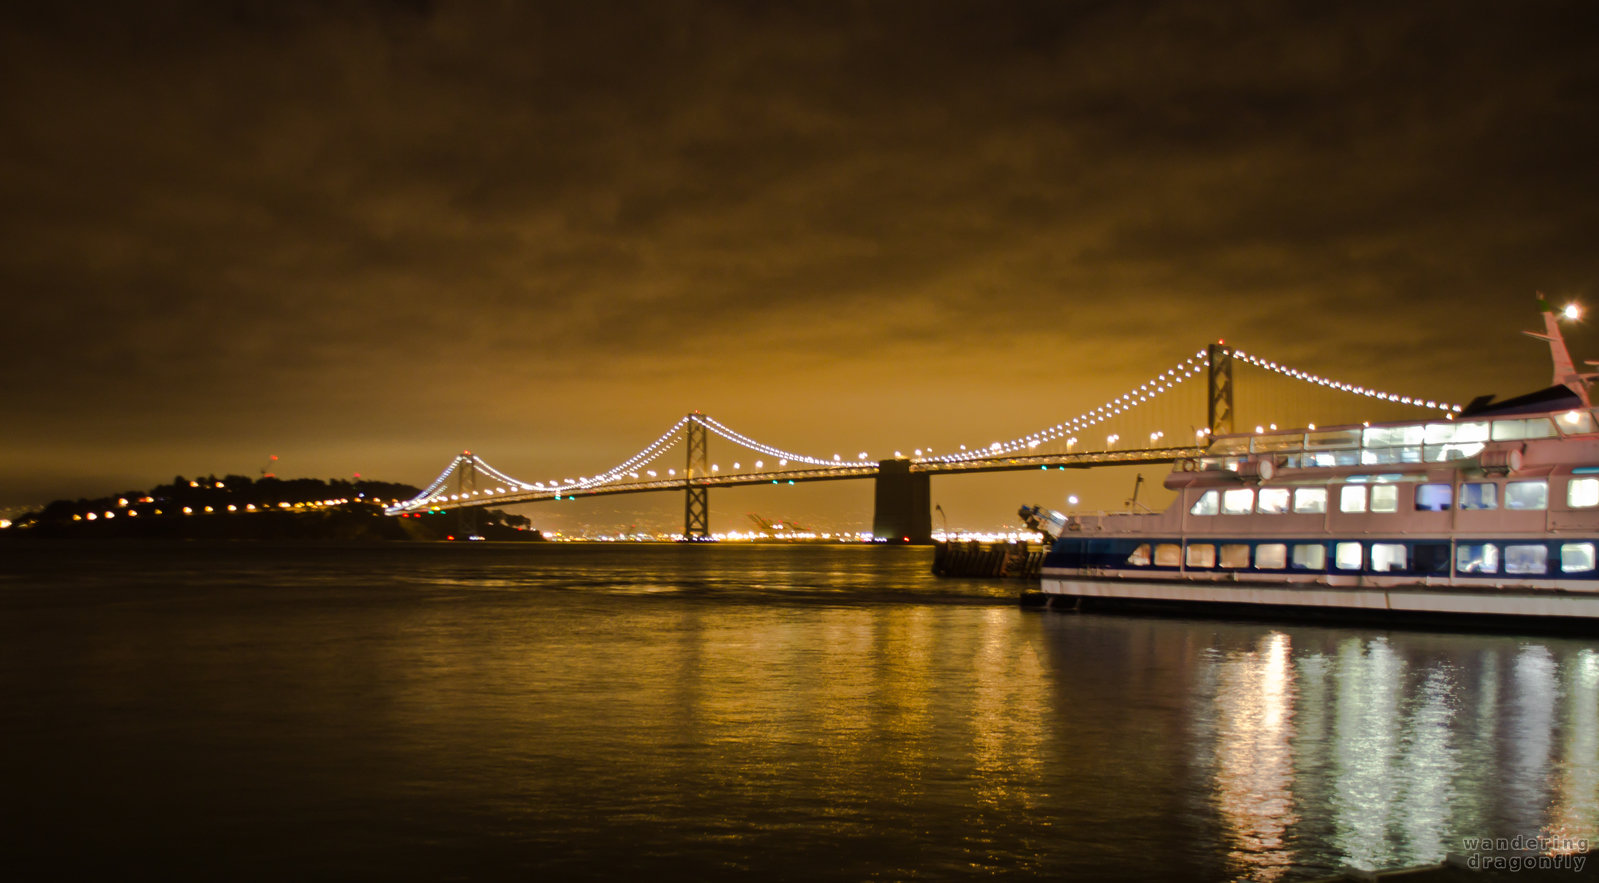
1492	515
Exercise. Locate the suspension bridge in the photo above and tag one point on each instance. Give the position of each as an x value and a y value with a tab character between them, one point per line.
902	494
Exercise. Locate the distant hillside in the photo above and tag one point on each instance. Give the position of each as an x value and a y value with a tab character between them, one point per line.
238	507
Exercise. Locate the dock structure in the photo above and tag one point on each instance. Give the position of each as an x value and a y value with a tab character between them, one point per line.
988	560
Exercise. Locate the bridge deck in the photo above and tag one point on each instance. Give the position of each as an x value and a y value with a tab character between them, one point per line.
1080	460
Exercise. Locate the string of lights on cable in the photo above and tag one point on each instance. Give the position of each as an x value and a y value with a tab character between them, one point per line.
1329	383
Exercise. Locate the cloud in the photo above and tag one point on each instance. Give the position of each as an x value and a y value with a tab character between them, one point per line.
309	215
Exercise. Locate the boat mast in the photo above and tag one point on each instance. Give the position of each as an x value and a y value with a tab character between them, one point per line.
1566	373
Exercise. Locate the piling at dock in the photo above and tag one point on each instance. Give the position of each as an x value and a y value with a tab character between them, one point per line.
990	560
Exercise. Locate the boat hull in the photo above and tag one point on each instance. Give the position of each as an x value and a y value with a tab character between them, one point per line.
1407	602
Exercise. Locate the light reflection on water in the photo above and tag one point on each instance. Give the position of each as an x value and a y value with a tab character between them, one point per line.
701	713
1371	751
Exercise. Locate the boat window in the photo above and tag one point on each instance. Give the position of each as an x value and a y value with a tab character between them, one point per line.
1388	556
1582	493
1346	556
1332	458
1271	556
1209	503
1333	438
1576	557
1288	441
1385	498
1201	555
1139	557
1393	436
1352	498
1429	557
1575	422
1515	430
1432	497
1233	444
1477	558
1235	555
1310	556
1526	558
1479	495
1238	501
1273	500
1310	499
1168	555
1527	495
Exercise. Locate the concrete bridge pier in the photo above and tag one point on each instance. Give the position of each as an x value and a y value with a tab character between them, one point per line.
903	511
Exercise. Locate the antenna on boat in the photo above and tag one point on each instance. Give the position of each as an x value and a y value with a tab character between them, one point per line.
1133	503
1566	373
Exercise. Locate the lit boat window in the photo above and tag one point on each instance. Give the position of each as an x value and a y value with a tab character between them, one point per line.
1526	558
1310	499
1385	498
1582	493
1168	555
1238	501
1352	498
1432	497
1346	556
1575	422
1235	556
1310	556
1140	556
1201	555
1479	495
1576	557
1272	501
1516	430
1527	495
1209	503
1477	558
1388	556
1272	556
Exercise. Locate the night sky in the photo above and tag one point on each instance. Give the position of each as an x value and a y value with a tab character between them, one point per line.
365	236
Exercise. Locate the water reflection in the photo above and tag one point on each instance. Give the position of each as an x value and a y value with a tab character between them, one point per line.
1254	763
1574	818
1388	751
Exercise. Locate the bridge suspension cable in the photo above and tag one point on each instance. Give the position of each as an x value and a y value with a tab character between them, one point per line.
1145	392
740	439
468	467
1318	380
437	491
1165	382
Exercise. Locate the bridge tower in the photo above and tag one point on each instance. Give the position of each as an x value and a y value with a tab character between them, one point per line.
466	517
902	511
1220	357
696	504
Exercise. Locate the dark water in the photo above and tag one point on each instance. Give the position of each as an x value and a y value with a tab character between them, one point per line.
481	712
